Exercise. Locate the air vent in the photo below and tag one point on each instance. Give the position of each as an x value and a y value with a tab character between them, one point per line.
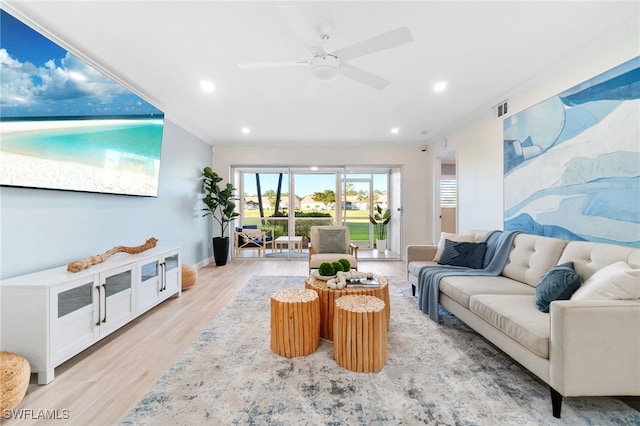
500	109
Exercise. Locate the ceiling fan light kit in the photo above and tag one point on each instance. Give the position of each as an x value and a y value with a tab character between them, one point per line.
325	67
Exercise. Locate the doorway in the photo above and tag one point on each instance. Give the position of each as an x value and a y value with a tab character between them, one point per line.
447	193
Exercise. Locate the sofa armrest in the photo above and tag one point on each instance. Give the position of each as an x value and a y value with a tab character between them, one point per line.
595	347
422	253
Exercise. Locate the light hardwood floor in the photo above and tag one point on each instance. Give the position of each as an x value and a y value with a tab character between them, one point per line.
103	383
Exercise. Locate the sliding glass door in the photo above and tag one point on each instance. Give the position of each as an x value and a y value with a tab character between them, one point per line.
284	202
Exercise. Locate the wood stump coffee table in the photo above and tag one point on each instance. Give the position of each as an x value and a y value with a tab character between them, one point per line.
295	322
360	333
328	297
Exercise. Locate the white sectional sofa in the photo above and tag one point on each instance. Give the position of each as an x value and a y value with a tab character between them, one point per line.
581	347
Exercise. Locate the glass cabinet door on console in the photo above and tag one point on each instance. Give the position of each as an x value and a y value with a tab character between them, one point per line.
172	274
73	308
159	278
115	294
149	287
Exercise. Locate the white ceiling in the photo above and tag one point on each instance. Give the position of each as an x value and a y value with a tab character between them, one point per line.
485	50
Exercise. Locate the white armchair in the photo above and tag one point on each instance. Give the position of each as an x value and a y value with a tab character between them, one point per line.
330	243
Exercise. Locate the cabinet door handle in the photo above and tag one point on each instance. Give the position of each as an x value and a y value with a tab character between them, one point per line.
104	319
164	276
161	276
98	288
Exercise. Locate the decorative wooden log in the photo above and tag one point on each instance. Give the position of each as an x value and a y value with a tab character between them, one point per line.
360	333
328	297
295	322
79	265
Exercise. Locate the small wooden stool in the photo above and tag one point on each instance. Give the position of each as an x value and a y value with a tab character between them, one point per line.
360	333
295	322
15	373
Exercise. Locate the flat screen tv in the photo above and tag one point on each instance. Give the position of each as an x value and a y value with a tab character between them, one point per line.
64	125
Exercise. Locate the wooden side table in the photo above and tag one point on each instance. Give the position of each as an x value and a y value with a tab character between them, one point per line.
329	296
360	333
295	322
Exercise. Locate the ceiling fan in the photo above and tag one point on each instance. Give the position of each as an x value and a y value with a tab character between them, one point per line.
326	66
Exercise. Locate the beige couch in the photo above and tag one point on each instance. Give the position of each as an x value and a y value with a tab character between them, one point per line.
579	348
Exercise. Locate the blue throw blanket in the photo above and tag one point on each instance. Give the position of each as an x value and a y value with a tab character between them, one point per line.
498	248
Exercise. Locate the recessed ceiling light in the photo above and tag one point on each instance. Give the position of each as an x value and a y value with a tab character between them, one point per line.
207	86
395	130
246	130
440	86
314	168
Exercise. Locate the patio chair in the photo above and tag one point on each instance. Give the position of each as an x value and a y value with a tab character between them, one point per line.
330	243
252	239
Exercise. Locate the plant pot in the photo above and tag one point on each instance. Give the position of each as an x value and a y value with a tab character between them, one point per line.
381	245
221	250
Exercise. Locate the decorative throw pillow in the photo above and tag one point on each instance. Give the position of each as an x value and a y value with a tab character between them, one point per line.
470	255
331	241
618	281
558	283
451	237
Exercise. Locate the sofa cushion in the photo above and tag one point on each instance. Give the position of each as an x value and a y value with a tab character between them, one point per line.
517	317
414	267
319	258
469	255
614	282
532	256
469	238
461	288
559	283
590	257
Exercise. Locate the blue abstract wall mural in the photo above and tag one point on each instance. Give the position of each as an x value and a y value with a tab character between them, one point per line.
572	162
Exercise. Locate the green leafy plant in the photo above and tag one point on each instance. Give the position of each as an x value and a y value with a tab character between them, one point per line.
219	200
380	219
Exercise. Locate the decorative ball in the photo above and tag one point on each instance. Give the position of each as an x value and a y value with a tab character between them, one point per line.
15	373
346	266
326	269
189	276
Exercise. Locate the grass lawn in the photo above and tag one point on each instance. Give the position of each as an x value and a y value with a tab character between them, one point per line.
357	221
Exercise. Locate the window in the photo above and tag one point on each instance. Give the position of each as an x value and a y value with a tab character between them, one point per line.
448	192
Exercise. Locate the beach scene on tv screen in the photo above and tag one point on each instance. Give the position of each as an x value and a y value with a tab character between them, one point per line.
64	125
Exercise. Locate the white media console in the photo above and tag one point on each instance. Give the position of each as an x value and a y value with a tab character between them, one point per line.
50	316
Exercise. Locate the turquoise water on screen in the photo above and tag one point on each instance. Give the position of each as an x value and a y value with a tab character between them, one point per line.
137	144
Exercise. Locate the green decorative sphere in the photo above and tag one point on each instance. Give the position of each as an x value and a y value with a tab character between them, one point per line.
337	266
346	266
326	269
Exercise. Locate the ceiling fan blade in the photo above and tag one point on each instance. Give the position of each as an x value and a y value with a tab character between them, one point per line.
311	88
384	41
363	76
300	25
255	65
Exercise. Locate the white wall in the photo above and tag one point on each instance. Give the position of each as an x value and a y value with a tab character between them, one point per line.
41	229
417	210
478	143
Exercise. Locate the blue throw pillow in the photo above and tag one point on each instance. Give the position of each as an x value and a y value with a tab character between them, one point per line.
469	255
558	283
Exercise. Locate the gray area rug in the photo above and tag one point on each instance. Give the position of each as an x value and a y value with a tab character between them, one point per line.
435	374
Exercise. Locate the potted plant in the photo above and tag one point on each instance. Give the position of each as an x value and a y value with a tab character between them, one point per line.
380	219
220	202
